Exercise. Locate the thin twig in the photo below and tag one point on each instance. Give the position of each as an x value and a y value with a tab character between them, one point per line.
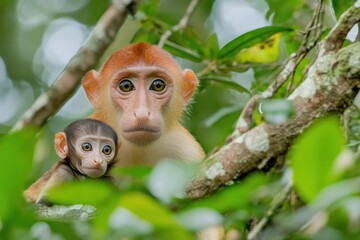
290	84
311	38
278	201
182	23
85	59
335	39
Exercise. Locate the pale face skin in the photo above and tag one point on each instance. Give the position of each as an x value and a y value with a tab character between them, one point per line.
141	97
95	152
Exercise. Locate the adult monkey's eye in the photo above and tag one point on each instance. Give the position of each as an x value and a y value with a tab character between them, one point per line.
158	85
107	150
86	147
126	86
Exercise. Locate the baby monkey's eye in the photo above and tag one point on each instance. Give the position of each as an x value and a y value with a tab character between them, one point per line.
107	150
86	147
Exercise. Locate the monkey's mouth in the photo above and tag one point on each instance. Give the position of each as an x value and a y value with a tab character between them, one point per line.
142	135
93	172
142	129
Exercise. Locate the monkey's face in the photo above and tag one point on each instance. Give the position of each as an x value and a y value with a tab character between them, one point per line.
140	95
95	153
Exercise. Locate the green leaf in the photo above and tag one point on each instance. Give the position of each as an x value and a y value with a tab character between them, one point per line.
313	157
66	230
283	11
89	192
151	211
212	48
341	6
16	156
249	39
150	7
188	38
226	82
182	52
135	172
145	36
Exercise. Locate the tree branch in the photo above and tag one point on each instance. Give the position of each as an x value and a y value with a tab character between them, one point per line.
182	23
330	86
85	59
65	213
335	39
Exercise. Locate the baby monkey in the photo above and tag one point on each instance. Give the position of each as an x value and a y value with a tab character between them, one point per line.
87	148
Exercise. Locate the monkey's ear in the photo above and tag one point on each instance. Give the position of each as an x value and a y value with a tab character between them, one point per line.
91	85
61	145
190	83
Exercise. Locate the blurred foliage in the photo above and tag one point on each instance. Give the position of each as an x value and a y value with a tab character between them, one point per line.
341	6
320	146
148	203
16	157
273	111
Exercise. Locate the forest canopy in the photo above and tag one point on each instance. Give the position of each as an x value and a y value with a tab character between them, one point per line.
276	112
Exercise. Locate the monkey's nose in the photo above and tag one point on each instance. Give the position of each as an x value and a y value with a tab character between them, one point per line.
97	162
142	114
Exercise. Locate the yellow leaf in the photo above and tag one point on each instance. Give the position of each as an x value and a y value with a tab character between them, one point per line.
264	52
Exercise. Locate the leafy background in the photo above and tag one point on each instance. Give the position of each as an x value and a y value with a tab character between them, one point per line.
237	48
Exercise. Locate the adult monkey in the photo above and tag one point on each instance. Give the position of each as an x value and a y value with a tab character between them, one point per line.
142	93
